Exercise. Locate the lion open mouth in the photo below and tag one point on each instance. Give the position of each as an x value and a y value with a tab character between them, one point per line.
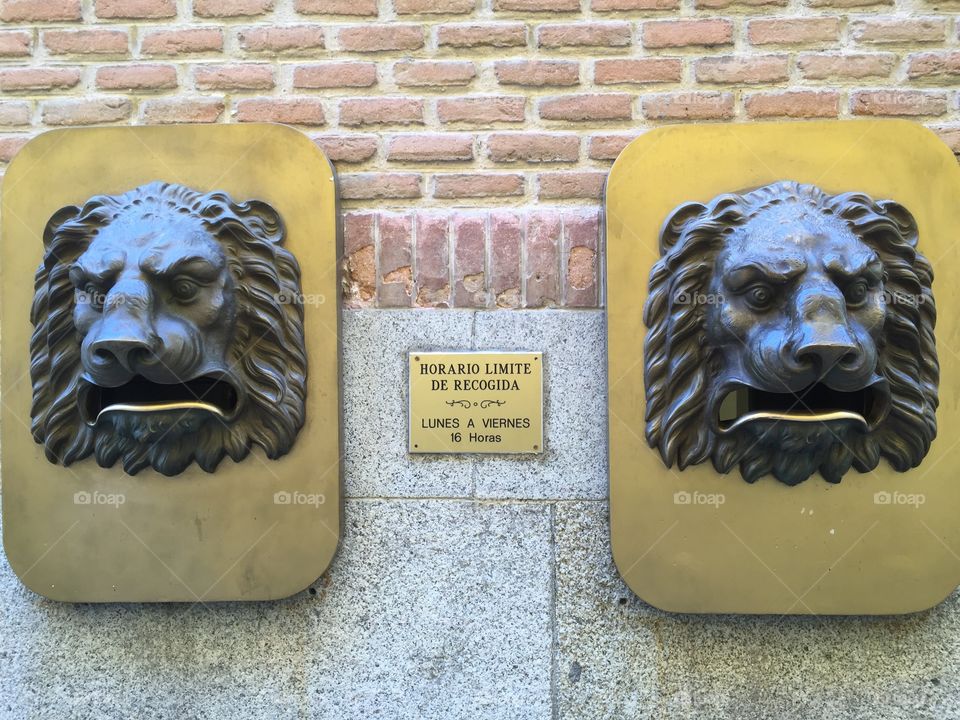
214	395
742	404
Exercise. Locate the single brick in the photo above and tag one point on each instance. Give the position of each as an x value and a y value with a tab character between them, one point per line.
87	42
638	71
585	34
633	5
537	73
482	35
506	234
294	111
86	112
793	104
281	39
10	145
231	8
551	6
482	110
433	263
396	258
335	75
358	231
469	259
430	147
182	42
381	111
609	106
608	147
793	31
934	65
577	184
16	79
477	185
688	106
824	66
379	185
898	102
435	7
336	7
581	241
360	251
348	148
40	10
899	30
742	69
542	258
14	114
534	147
136	77
135	9
15	43
182	110
234	76
685	33
433	73
380	38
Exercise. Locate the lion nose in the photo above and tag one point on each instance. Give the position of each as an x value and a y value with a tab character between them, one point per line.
827	348
128	352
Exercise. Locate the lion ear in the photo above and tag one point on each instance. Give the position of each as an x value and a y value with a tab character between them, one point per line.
56	220
904	218
271	224
673	226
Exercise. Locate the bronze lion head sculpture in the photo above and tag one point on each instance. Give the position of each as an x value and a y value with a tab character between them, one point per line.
791	331
168	329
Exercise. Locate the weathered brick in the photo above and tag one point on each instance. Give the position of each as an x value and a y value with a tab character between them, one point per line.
15	43
335	75
379	38
142	76
430	147
475	185
542	259
358	231
585	34
87	42
899	30
381	111
182	110
182	41
638	71
294	111
573	184
359	248
38	78
897	102
40	10
534	147
135	9
686	33
433	73
469	259
10	145
482	35
581	240
433	264
336	7
537	73
15	113
609	106
379	185
231	8
481	110
281	39
234	76
793	31
824	66
86	112
551	6
689	106
506	234
793	104
396	258
608	147
348	148
632	5
742	69
434	7
938	65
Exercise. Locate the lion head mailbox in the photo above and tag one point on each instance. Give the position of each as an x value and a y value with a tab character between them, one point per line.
789	340
180	337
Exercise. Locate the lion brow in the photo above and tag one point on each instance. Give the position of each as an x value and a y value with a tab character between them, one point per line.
759	270
869	265
200	265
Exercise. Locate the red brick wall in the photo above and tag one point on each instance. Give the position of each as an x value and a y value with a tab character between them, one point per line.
472	137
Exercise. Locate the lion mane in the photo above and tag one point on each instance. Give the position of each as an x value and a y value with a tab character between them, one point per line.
680	364
267	351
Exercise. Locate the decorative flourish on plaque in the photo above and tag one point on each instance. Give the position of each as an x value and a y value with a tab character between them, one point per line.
167	330
791	331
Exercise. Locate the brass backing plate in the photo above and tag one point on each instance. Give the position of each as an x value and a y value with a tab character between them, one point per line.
696	541
255	530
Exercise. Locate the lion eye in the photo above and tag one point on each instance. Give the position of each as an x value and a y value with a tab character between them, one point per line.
759	297
856	293
184	288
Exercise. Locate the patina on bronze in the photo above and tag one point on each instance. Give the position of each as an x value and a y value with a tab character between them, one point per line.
168	329
791	331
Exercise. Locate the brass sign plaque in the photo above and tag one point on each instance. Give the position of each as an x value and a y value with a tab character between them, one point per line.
476	402
782	358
